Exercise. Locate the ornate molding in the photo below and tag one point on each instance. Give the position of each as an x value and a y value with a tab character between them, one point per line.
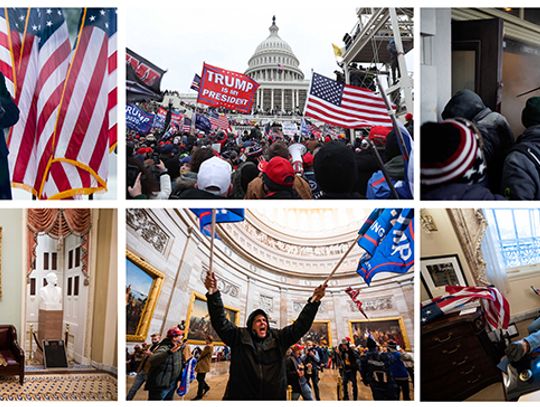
374	304
470	226
336	249
147	228
299	305
225	286
266	303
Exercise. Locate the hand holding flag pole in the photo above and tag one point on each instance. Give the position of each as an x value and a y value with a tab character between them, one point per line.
210	273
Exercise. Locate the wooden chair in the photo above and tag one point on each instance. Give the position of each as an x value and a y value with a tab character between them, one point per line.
11	352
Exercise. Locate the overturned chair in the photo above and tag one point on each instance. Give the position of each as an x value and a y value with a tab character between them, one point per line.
11	354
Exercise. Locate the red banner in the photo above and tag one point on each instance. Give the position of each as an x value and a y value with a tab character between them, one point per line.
228	89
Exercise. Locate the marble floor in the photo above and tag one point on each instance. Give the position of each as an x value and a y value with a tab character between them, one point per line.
217	380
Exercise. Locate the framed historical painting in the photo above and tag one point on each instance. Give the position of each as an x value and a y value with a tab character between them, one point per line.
143	284
382	330
439	271
198	324
319	333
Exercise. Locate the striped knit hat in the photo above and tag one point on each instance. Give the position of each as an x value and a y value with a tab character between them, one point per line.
450	152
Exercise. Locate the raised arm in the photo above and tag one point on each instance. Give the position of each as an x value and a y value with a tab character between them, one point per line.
294	332
225	329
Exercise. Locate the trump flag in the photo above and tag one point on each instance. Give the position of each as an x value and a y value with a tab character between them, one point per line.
232	90
395	253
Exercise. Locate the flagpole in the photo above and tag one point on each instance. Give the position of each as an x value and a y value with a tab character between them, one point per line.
212	238
392	115
353	244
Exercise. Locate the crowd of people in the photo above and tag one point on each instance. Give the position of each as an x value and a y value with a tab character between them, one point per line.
263	162
472	154
268	363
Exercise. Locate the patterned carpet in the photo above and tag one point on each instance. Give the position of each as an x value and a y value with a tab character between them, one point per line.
56	387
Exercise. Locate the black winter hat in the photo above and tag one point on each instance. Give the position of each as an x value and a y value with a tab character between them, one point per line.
391	146
335	168
530	116
465	103
252	316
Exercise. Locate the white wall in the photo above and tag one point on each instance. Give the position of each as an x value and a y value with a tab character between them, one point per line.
12	273
436	66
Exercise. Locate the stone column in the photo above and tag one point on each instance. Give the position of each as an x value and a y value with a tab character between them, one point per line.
271	98
246	310
283	310
283	99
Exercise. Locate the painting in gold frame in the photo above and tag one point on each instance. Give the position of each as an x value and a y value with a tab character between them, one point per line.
319	333
382	330
198	324
143	284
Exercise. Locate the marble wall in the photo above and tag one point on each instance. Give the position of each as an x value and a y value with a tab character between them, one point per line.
181	254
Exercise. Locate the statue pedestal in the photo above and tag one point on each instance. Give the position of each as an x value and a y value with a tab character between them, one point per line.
49	327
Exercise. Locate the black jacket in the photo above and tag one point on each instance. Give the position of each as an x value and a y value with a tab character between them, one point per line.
257	370
165	367
496	133
521	170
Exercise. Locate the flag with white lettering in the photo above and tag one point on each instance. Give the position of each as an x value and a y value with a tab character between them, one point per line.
395	253
232	90
138	120
376	232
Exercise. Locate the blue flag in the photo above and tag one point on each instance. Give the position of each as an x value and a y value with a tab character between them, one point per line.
378	229
203	123
222	216
395	254
304	129
138	120
188	375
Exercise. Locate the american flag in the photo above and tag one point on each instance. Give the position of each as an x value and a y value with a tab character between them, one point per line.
113	81
218	120
9	48
80	163
196	83
495	306
354	297
186	125
40	72
343	105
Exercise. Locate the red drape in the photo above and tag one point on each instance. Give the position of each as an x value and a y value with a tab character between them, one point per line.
59	223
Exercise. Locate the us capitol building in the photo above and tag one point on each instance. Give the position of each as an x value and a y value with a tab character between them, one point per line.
276	68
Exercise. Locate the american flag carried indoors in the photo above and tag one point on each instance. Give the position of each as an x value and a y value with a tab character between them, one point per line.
343	105
495	306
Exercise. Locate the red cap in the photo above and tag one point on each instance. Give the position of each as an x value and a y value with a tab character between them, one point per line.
174	332
280	171
408	116
308	159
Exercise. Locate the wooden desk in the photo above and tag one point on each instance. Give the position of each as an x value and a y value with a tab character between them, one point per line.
457	358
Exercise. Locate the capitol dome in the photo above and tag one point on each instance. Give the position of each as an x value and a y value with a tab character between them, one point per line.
274	59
